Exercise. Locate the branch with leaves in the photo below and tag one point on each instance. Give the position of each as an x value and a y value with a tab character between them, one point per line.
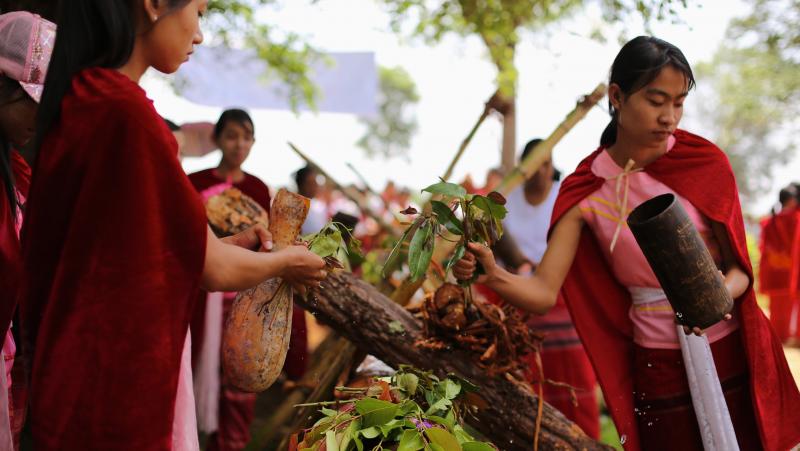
412	410
480	222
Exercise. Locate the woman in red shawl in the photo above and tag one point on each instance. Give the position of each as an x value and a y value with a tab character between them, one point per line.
621	314
780	266
116	242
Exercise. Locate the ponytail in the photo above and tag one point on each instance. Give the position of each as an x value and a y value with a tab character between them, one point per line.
609	136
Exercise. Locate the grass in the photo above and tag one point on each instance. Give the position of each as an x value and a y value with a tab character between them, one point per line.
608	433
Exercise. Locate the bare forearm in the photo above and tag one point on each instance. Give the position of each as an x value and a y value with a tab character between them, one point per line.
232	268
736	281
529	293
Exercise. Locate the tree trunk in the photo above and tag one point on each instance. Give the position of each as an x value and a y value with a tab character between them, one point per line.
508	156
506	412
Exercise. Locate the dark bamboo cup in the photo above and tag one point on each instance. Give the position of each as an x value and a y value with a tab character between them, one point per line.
681	261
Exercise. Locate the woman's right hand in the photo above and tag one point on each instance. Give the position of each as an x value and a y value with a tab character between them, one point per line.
301	267
465	268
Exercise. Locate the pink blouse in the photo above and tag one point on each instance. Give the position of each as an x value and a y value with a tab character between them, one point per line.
653	319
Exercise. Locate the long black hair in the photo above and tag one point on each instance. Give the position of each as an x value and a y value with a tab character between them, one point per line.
91	33
10	92
637	64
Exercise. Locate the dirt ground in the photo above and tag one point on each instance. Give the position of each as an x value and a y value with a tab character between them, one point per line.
793	356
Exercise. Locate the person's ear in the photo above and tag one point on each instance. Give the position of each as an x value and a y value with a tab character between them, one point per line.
154	9
615	95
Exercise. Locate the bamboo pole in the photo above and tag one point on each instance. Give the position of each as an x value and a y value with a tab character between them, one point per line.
544	149
359	201
449	172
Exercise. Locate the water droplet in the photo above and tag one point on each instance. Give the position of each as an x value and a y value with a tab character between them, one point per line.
649	423
649	365
623	439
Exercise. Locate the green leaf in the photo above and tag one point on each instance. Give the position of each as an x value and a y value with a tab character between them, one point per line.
350	434
408	382
393	260
420	250
376	412
466	386
461	249
477	446
330	441
447	189
490	207
408	407
449	388
461	435
447	217
325	246
411	440
387	428
370	432
329	412
439	405
443	438
448	423
358	442
434	447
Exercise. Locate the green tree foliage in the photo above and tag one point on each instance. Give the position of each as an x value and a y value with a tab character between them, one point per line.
499	23
234	23
389	134
751	90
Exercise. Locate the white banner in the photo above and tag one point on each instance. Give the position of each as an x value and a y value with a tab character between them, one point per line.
224	77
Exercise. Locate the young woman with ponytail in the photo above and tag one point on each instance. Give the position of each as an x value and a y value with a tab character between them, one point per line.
116	242
621	314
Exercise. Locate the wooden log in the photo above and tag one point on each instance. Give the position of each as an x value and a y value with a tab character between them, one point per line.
506	408
681	261
332	357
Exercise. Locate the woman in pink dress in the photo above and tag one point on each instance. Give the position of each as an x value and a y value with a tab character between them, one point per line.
725	388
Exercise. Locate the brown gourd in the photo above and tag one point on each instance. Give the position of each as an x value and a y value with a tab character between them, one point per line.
256	335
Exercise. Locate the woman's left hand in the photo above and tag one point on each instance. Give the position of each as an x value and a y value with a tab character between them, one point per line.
698	331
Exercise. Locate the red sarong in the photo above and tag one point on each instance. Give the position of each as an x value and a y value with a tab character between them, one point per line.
664	410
